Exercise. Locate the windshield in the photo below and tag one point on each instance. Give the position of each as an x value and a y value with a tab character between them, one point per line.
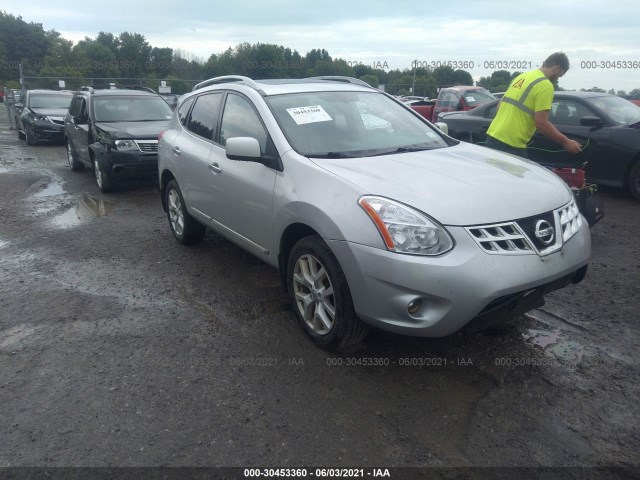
350	124
131	109
50	101
619	110
477	97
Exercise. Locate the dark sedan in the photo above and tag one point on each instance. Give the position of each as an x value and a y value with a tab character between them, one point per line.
606	125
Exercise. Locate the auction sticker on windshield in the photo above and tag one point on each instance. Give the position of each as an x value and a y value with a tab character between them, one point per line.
310	114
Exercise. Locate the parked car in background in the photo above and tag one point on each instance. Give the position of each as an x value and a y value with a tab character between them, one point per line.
372	215
171	99
40	115
606	125
452	99
115	133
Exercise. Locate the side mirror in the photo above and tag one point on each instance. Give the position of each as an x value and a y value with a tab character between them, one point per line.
79	119
443	127
244	149
19	106
590	121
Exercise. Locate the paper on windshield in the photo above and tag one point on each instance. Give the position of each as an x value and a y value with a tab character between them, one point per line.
309	114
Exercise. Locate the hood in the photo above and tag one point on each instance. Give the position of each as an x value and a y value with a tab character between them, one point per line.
140	130
460	185
50	112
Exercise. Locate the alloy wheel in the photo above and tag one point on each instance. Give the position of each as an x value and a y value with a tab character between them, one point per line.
314	294
176	215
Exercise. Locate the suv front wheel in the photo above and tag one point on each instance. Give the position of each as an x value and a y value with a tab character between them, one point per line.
103	179
75	165
320	296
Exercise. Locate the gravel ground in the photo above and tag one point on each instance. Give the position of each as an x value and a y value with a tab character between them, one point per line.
119	347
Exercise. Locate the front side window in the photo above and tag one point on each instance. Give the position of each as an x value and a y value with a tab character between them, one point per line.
567	112
204	115
75	108
350	124
241	120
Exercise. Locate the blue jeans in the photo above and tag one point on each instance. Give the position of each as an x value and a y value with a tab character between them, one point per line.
504	147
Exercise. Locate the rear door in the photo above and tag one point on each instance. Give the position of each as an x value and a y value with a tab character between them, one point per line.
192	148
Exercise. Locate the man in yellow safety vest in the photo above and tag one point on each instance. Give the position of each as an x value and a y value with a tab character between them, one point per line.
525	107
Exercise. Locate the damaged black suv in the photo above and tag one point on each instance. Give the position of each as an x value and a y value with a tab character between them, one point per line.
115	133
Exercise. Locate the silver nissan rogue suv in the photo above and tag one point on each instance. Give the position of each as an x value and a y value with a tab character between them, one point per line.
373	216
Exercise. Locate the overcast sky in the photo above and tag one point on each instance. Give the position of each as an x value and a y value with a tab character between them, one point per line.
391	33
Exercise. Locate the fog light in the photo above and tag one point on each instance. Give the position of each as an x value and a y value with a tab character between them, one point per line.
414	306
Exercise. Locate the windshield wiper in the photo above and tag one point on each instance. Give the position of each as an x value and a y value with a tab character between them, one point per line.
404	150
331	155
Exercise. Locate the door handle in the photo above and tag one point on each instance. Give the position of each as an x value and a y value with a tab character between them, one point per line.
215	168
177	151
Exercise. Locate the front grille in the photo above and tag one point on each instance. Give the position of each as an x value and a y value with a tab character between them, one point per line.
147	146
504	238
57	120
538	234
570	220
528	226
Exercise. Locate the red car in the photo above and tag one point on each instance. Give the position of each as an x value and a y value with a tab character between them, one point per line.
452	99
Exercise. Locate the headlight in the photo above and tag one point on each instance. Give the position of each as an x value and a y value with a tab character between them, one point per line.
43	118
126	145
405	230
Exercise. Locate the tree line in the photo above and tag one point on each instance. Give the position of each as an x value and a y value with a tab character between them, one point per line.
45	57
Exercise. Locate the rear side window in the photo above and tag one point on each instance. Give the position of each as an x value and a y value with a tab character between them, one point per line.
183	111
204	115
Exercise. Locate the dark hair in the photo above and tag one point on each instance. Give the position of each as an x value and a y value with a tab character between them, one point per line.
558	59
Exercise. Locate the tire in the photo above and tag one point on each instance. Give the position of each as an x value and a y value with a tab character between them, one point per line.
321	297
28	132
184	227
634	180
20	134
103	179
74	164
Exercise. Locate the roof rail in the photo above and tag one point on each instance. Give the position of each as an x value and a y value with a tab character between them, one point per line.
338	78
226	79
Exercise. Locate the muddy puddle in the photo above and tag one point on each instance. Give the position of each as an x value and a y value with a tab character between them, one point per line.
85	210
554	344
51	190
47	195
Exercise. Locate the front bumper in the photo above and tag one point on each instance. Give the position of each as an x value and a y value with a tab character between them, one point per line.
455	288
131	163
44	130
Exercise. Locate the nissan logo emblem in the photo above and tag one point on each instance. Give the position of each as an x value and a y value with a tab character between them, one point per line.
544	232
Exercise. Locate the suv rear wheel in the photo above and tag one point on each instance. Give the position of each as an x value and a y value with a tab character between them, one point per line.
103	179
184	227
320	296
